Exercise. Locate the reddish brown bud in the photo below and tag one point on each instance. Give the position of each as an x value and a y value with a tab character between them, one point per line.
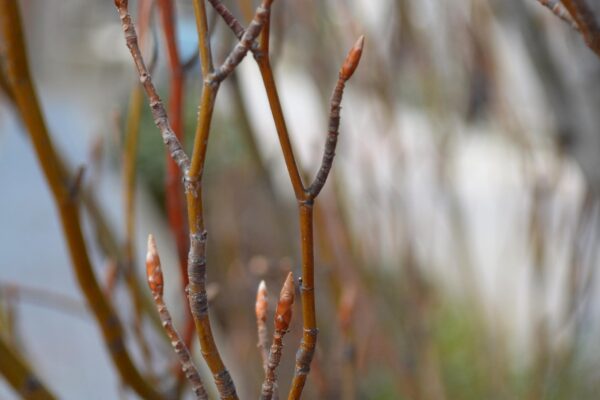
261	302
154	273
283	315
352	59
121	3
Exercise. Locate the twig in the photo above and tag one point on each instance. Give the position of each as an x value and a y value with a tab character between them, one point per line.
586	21
557	9
305	197
17	72
20	376
261	309
283	316
334	116
155	282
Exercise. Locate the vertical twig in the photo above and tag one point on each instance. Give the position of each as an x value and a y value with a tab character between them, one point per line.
283	316
155	282
18	75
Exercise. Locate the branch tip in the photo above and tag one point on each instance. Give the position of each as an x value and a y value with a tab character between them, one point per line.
154	273
352	59
261	302
283	315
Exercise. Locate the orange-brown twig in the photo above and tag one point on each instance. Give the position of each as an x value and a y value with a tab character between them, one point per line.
283	316
18	75
261	310
155	279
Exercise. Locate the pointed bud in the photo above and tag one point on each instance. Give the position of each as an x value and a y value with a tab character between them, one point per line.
261	302
283	315
352	59
154	273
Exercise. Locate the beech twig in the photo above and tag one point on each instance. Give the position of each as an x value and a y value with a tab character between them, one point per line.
155	282
283	316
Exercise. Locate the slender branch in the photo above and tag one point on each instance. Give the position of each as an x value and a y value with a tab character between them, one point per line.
158	110
557	9
155	282
20	375
586	21
269	82
18	75
283	316
261	310
334	116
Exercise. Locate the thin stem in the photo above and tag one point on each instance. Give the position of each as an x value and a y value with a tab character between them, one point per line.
283	317
20	375
19	78
557	9
155	281
306	350
586	21
346	72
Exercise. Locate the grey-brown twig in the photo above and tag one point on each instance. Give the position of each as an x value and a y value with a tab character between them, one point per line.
283	316
155	279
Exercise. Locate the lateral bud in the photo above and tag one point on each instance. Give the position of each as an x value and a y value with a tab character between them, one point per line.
283	314
352	59
154	273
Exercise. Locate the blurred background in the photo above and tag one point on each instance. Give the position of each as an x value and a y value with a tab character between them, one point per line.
456	239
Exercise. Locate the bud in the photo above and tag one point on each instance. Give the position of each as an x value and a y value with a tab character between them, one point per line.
154	273
352	59
261	302
283	315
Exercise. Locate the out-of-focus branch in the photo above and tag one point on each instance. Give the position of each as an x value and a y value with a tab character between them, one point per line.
19	78
557	9
586	21
20	375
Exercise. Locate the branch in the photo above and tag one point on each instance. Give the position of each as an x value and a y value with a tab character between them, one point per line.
262	58
155	282
158	110
18	75
557	9
20	376
346	72
585	19
283	316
